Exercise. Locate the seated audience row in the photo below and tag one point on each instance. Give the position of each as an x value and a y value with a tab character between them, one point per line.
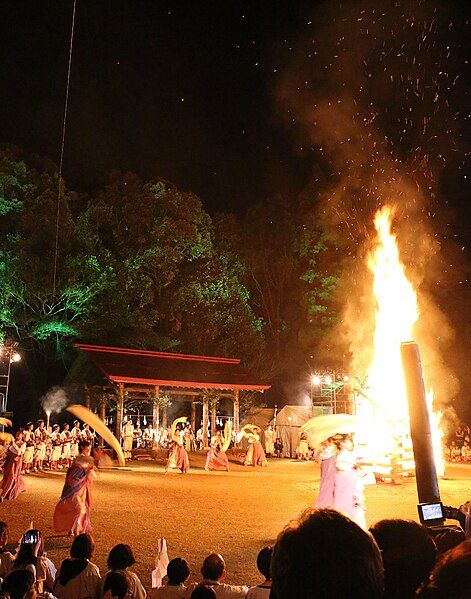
322	555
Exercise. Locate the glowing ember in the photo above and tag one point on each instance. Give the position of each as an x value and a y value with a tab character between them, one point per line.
396	312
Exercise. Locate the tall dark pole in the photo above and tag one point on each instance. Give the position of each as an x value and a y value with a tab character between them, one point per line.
426	474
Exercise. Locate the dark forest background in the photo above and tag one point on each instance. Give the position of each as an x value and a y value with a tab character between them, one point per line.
141	264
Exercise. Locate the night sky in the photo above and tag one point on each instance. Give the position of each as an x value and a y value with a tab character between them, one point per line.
190	92
180	90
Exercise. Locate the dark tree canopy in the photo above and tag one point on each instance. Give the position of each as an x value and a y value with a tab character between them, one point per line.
142	264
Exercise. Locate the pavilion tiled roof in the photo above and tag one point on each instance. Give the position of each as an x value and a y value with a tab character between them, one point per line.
121	365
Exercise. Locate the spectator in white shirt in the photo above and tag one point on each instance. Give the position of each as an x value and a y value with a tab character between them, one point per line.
178	572
262	591
214	572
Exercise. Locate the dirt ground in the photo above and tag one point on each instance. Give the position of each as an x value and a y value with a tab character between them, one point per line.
233	513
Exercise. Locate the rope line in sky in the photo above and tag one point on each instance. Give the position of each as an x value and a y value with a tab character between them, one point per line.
59	188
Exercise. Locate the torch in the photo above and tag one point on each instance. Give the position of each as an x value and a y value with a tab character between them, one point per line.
48	417
426	474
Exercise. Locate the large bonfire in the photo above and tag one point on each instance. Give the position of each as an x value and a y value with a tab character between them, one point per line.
396	313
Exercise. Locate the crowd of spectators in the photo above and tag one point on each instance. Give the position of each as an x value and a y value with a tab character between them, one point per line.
321	555
458	446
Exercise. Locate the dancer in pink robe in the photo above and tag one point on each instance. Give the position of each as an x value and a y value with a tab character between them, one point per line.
348	486
12	482
178	457
72	513
216	458
255	453
326	457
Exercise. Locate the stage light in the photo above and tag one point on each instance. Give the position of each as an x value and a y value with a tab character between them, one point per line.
346	378
328	380
16	357
315	379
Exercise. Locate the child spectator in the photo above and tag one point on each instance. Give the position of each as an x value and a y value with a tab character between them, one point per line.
262	591
278	448
178	572
214	572
120	559
116	586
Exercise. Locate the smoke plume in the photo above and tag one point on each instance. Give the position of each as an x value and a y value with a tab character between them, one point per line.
55	400
373	91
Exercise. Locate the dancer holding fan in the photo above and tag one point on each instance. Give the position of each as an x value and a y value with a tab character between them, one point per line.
216	458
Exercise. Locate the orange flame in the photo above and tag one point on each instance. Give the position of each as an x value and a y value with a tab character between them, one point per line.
396	312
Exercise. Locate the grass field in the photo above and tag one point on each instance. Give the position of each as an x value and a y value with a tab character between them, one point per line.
233	513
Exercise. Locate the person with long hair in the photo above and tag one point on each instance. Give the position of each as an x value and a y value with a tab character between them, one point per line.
12	482
216	458
31	557
72	513
178	456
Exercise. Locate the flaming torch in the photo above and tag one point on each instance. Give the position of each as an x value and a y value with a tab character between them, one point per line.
426	474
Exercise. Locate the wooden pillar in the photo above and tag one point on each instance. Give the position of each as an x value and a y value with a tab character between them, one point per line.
165	416
193	417
213	418
102	418
155	409
86	396
120	411
235	423
205	423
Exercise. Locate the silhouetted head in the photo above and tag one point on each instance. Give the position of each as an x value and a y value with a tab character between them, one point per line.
409	555
325	555
214	567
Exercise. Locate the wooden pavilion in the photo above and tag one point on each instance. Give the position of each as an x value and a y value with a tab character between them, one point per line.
144	375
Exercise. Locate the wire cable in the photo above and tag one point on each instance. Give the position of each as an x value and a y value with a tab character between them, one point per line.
64	123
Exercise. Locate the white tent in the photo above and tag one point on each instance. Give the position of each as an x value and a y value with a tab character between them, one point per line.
289	421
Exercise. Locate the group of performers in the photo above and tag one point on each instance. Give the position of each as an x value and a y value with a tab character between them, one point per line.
54	449
341	485
136	437
216	458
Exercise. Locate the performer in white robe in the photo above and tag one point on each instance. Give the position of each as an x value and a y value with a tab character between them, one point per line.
40	436
148	437
128	437
74	450
56	450
28	436
66	437
302	450
270	436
